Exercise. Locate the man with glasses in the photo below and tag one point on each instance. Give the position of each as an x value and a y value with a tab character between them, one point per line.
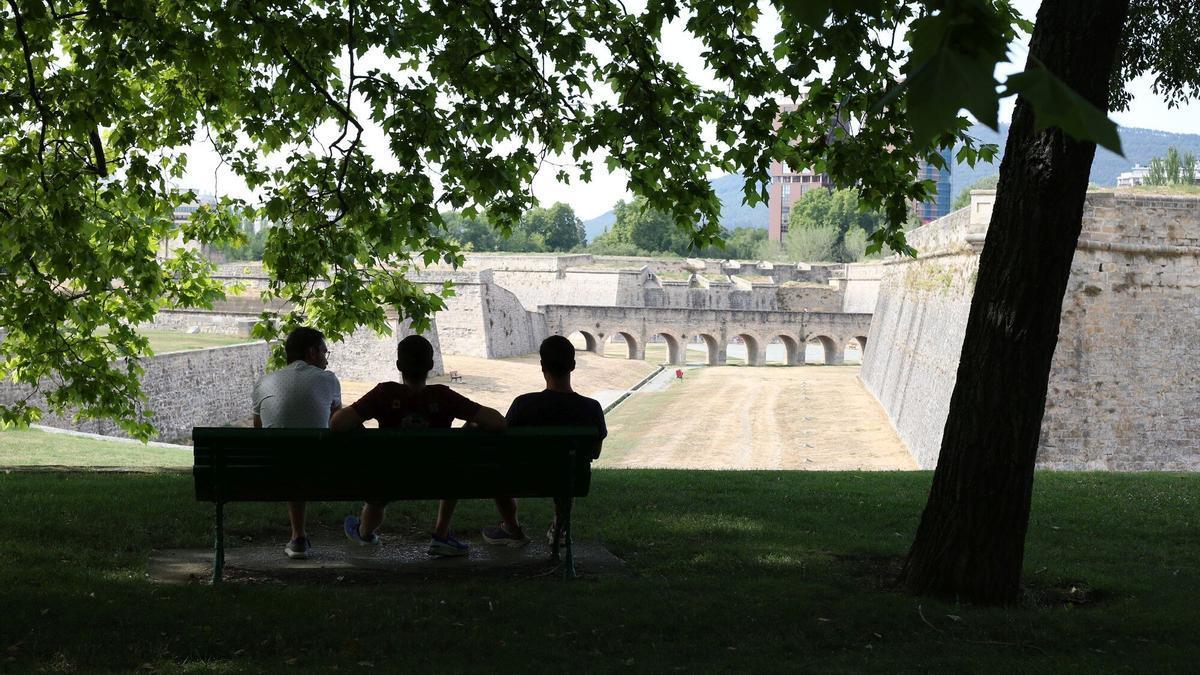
300	395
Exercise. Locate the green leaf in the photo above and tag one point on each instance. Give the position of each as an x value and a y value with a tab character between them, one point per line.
1057	105
942	86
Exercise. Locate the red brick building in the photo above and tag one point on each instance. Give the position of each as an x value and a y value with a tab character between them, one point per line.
787	184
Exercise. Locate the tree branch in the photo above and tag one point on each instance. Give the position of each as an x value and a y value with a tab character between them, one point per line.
34	93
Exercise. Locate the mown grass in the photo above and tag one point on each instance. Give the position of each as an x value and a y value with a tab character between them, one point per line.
163	341
31	447
742	571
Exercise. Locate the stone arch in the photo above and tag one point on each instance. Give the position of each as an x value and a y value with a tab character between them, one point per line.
586	340
832	354
857	343
755	349
793	351
631	343
676	347
716	350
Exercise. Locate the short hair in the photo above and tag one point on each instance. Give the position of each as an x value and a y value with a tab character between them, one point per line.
558	355
299	341
414	357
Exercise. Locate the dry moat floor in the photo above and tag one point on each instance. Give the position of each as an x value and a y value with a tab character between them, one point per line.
731	417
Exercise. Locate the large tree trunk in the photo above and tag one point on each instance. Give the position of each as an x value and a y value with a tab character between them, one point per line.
971	541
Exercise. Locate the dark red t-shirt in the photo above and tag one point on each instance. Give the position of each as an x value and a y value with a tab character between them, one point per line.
432	407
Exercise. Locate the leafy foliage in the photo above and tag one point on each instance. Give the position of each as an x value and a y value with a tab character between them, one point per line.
1173	169
249	246
818	243
539	230
639	229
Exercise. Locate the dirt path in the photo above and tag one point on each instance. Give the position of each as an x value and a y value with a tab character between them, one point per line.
817	418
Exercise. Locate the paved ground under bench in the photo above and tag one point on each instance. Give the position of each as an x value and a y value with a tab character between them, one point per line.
334	561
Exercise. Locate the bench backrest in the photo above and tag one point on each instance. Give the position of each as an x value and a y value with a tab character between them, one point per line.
240	464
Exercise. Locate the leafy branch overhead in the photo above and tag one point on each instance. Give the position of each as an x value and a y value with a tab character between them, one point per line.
357	123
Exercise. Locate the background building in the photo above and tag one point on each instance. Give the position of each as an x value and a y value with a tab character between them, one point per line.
787	185
939	206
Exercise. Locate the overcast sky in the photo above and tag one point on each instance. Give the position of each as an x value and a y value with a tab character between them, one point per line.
1146	111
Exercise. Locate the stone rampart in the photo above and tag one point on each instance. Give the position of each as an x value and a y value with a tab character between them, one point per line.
860	286
204	387
1124	380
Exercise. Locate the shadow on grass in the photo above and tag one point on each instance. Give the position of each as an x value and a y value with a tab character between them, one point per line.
751	571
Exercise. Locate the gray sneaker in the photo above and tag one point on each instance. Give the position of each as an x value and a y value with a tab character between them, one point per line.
298	549
351	527
447	548
498	536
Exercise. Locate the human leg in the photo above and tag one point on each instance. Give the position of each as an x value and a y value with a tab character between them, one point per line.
371	519
507	508
296	514
509	532
361	530
445	512
444	543
298	547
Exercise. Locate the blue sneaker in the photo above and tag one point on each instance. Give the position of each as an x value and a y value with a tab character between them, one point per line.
298	549
498	536
447	547
350	525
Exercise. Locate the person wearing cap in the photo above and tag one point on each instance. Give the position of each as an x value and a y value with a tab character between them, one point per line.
413	404
558	405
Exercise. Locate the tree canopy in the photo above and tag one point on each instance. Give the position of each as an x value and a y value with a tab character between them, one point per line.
556	228
641	230
467	100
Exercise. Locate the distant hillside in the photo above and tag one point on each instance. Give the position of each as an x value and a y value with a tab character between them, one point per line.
734	213
1140	146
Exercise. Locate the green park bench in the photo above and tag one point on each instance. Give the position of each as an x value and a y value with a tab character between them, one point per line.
266	465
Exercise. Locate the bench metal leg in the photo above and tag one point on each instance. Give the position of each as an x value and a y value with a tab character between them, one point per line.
219	545
569	567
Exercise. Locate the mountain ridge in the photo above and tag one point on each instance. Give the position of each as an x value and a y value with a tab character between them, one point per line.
1140	146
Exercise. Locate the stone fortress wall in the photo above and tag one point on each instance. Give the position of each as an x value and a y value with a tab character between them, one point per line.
500	309
1124	383
184	389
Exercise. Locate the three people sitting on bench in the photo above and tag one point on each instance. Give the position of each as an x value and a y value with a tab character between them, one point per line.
283	400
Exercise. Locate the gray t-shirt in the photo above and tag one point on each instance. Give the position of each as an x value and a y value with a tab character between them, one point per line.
298	395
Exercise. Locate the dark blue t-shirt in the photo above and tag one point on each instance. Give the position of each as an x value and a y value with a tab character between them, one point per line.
557	409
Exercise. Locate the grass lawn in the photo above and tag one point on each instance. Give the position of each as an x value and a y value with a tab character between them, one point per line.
31	447
162	341
741	571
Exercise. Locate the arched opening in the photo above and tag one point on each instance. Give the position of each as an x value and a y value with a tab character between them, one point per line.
856	348
664	348
584	341
743	350
783	350
704	348
821	349
621	345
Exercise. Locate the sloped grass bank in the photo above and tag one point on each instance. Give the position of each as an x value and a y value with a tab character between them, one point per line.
745	571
